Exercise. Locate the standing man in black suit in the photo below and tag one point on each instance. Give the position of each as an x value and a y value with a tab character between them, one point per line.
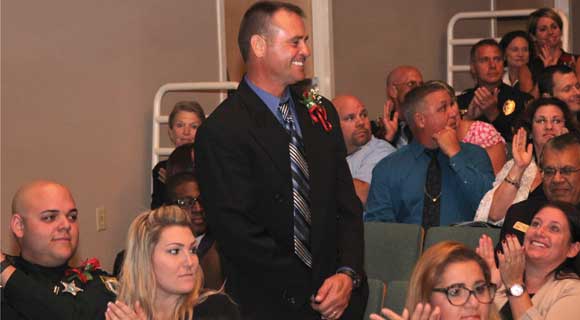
275	183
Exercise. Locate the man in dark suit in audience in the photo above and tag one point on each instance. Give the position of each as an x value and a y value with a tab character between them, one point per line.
275	183
491	100
560	163
434	180
39	284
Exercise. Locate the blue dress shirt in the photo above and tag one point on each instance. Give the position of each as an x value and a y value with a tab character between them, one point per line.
273	102
397	188
362	161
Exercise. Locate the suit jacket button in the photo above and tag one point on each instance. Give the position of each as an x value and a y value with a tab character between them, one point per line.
278	197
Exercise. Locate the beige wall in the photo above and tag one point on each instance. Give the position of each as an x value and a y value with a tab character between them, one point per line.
78	79
392	33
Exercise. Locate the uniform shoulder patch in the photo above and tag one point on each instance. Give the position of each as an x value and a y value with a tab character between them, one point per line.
111	283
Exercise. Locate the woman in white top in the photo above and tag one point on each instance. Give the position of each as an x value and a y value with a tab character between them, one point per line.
518	47
520	177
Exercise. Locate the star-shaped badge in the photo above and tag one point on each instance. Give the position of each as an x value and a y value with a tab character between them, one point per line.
71	288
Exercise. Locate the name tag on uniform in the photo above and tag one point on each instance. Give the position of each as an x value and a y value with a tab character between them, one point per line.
520	226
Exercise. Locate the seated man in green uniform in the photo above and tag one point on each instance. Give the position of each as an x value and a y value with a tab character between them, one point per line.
39	284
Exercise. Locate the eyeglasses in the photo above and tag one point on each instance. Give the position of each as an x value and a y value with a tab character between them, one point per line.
187	202
554	121
564	171
458	294
410	84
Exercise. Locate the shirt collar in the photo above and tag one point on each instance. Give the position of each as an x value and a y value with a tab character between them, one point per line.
271	101
417	149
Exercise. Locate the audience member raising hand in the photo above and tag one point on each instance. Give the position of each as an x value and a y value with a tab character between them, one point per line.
520	177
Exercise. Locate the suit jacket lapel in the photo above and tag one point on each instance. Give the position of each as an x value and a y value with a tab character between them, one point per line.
266	129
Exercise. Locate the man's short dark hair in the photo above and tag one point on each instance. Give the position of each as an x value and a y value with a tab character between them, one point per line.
257	21
174	182
414	100
546	78
560	143
482	43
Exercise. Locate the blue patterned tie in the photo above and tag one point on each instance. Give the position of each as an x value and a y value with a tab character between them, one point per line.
300	189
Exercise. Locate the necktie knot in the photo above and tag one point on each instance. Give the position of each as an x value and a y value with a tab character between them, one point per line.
432	153
285	111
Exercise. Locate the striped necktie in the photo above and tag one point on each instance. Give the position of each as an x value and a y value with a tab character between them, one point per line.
300	189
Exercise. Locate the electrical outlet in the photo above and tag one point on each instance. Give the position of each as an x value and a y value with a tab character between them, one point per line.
101	219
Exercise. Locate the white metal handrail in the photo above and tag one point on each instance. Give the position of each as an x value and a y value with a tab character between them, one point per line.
159	119
452	41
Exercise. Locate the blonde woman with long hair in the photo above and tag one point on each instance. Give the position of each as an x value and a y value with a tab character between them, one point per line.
161	278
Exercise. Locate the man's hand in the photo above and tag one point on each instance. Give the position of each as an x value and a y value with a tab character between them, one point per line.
486	102
333	296
447	141
473	110
391	126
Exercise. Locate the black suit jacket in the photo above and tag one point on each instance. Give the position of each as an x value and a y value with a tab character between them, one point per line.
244	171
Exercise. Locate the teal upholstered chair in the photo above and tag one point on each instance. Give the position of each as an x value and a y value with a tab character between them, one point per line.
396	295
377	290
391	250
467	235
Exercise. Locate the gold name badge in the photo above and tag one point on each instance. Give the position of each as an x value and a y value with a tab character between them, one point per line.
509	107
520	226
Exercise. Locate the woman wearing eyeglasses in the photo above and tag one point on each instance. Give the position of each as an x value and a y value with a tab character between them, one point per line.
450	281
520	177
541	279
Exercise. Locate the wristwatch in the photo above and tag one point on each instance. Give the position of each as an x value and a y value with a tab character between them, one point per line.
356	278
516	290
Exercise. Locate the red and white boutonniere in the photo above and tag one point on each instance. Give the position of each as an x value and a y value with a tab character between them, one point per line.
83	272
312	100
